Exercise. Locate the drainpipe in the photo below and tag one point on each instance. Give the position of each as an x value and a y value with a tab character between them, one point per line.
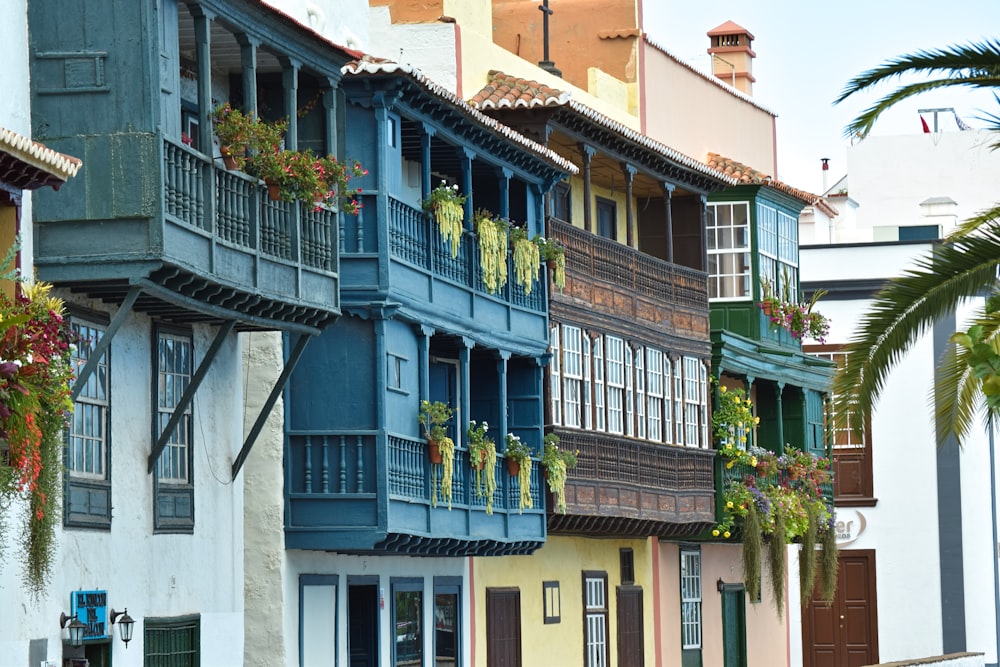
996	547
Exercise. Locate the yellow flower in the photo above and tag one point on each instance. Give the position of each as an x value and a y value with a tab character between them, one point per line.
729	504
753	461
743	438
739	424
715	533
748	401
726	534
730	464
722	390
756	420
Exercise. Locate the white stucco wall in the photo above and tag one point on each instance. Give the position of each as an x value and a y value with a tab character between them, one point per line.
343	22
15	107
152	575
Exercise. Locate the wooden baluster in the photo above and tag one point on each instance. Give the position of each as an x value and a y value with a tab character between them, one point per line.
343	465
361	466
308	476
326	465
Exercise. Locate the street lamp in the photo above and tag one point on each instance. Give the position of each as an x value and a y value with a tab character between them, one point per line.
76	628
125	624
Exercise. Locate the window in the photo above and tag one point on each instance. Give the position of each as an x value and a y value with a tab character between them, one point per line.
678	403
447	620
728	233
174	506
407	620
692	401
852	452
616	383
607	225
629	391
595	610
555	381
598	383
394	369
626	559
778	238
88	485
640	393
171	642
559	201
654	393
690	599
551	604
572	373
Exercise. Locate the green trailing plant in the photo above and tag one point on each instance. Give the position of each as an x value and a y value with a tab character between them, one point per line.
733	420
434	417
446	205
556	462
527	258
36	376
516	450
829	563
492	234
483	459
553	253
753	547
807	557
776	563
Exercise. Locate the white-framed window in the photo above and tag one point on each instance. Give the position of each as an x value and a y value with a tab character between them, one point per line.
87	440
640	393
690	599
778	241
555	377
668	402
692	401
588	416
615	383
654	392
595	585
173	369
598	346
572	374
706	439
678	402
767	246
629	390
728	234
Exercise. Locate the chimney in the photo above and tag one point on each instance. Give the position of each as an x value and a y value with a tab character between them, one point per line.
732	57
826	172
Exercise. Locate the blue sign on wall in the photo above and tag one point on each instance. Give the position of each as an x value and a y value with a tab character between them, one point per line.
91	609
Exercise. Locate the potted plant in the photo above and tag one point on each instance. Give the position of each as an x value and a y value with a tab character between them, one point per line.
527	258
554	255
799	319
434	417
240	132
733	419
492	234
556	462
446	205
518	457
36	376
483	459
302	176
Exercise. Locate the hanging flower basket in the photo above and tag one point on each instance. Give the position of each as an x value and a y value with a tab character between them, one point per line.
446	205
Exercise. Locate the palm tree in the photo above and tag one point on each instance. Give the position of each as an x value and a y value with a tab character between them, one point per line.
966	264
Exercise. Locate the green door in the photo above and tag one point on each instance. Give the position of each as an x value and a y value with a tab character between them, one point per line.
734	626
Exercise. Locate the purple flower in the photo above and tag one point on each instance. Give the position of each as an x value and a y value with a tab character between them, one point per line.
8	369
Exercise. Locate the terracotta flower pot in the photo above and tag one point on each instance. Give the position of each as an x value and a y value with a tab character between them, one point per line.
481	463
273	191
433	451
766	306
513	467
228	158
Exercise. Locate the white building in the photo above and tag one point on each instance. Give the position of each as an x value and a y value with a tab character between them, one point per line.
917	523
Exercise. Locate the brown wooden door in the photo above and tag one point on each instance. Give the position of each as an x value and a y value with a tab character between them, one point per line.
503	627
845	632
630	635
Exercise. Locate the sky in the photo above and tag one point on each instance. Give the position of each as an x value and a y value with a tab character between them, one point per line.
806	52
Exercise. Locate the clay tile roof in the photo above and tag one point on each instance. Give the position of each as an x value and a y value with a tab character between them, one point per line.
505	91
370	65
729	28
28	165
750	176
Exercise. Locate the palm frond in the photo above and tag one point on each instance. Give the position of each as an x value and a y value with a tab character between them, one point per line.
975	222
956	394
975	65
904	310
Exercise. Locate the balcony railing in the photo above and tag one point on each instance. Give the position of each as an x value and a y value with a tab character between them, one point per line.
244	217
415	240
596	257
620	460
335	494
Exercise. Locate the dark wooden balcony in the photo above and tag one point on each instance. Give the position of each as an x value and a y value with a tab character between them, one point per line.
202	243
354	492
627	487
606	277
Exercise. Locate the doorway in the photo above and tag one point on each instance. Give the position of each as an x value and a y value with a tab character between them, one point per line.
362	625
734	625
844	633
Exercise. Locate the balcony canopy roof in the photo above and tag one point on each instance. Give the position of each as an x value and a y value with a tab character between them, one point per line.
28	165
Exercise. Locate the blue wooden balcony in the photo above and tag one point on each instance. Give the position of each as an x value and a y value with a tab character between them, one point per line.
431	283
368	492
200	239
627	487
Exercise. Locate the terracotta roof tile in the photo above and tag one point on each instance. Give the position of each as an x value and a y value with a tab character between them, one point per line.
750	176
370	65
504	91
729	28
21	157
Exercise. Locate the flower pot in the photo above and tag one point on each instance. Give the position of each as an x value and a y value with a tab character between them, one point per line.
766	306
481	463
433	451
228	158
273	191
513	467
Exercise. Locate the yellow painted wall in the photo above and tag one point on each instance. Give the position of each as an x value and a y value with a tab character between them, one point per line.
618	196
8	236
695	116
562	559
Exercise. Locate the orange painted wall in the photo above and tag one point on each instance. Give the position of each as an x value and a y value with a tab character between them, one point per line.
412	11
574	41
